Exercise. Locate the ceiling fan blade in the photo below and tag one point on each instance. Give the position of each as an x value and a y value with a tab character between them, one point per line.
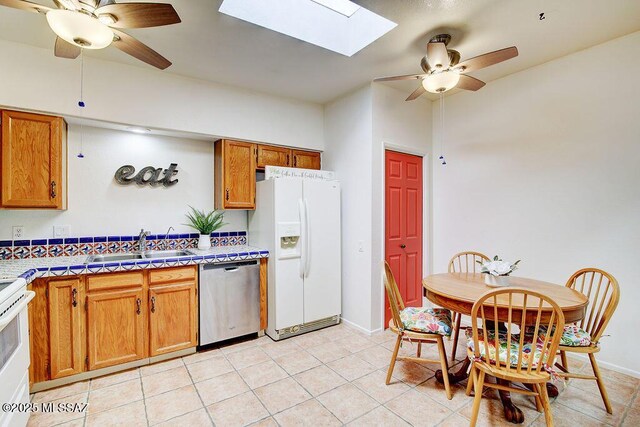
65	49
487	59
437	55
140	15
416	93
25	5
469	83
406	77
139	50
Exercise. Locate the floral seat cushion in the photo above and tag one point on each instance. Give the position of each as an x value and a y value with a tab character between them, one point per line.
429	320
531	352
572	336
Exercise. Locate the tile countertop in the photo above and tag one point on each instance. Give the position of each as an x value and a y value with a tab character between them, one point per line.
32	268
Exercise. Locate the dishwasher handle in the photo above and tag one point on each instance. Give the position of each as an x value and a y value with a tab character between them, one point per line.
228	266
231	269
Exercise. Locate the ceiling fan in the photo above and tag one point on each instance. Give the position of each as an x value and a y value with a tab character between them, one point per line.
96	24
444	71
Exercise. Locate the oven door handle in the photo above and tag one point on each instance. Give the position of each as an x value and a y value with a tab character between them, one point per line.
8	317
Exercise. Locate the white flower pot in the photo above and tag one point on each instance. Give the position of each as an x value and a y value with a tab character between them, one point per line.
204	242
494	281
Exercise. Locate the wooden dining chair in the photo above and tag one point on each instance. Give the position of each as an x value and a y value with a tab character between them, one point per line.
419	324
508	352
463	262
603	292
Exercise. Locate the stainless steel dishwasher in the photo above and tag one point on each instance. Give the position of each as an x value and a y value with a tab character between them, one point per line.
229	300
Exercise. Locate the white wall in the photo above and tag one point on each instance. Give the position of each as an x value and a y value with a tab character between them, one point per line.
348	135
99	206
543	165
358	127
32	78
406	127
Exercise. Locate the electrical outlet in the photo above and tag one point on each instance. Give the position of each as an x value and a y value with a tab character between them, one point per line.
18	232
360	245
61	230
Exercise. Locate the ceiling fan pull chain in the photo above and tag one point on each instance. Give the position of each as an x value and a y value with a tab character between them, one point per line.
81	102
442	130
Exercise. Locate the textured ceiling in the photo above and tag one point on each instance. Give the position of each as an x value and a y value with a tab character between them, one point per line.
211	46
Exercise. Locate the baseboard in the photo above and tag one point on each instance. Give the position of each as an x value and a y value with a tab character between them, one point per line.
607	365
360	328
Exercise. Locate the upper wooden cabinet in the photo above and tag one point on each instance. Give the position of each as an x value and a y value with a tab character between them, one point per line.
32	169
235	175
269	155
305	159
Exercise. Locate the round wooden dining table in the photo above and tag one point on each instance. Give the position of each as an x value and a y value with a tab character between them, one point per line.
459	291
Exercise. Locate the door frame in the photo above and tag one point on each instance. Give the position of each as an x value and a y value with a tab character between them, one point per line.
427	201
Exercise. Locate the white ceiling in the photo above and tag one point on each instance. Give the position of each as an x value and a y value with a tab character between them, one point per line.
211	46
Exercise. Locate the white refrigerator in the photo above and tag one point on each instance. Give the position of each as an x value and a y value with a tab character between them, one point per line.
298	221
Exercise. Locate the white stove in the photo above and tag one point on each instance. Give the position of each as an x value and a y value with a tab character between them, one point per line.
14	349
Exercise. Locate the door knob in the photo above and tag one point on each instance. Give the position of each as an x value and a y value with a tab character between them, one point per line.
403	246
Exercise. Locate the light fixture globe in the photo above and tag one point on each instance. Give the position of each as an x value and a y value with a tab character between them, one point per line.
441	81
79	29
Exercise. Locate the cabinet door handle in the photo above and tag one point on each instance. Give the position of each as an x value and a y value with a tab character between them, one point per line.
138	305
53	189
74	297
295	161
153	304
227	191
288	156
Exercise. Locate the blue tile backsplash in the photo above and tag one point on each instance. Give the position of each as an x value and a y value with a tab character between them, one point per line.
71	246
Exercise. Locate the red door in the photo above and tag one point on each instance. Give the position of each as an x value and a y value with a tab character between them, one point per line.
403	225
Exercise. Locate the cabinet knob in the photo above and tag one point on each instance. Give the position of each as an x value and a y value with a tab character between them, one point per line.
138	305
74	297
53	189
153	304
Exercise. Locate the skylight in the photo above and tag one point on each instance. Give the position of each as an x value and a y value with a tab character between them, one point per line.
337	25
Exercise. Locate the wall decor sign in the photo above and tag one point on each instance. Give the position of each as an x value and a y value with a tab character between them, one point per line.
272	172
127	174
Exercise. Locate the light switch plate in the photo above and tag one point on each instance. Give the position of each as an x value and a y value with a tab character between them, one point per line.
61	230
18	232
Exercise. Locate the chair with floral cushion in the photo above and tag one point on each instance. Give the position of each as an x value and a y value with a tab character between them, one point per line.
508	354
463	262
419	324
603	292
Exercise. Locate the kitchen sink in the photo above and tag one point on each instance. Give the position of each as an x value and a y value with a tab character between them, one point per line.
127	257
114	257
165	254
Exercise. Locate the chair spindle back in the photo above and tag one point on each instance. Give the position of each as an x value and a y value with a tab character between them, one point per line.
393	293
465	262
603	292
499	304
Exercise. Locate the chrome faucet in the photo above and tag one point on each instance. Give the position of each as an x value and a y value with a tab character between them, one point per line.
166	237
142	240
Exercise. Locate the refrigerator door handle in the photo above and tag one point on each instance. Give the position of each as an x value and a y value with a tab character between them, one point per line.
303	236
307	240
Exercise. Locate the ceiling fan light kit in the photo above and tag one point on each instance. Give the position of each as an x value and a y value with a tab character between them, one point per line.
443	81
79	29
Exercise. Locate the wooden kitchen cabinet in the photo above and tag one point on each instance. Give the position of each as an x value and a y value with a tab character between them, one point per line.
305	159
116	323
172	318
33	161
66	327
235	174
269	155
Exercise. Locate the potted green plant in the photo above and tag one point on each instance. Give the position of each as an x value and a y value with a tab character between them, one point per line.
205	223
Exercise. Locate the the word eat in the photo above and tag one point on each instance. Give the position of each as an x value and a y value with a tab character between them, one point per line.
149	175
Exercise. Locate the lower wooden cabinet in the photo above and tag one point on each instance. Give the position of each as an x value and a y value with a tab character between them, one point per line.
80	323
172	318
65	327
115	327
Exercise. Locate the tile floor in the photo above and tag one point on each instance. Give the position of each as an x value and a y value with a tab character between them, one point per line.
330	377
